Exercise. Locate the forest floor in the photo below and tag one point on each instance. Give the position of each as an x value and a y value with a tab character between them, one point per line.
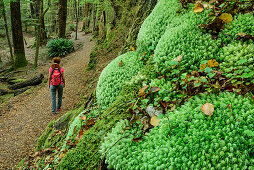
24	117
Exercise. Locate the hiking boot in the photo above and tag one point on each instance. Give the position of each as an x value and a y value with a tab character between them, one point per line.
59	109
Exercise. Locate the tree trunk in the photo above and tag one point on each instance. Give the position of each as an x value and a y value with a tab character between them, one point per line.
94	17
77	19
31	82
39	33
62	16
43	28
116	12
17	35
145	8
86	16
7	32
102	25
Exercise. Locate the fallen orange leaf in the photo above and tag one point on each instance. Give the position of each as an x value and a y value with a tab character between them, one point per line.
198	7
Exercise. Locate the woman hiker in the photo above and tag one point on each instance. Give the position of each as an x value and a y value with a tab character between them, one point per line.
56	84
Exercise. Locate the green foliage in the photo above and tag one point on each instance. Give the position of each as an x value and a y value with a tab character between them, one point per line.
86	155
72	27
237	56
114	75
155	25
242	23
60	47
189	139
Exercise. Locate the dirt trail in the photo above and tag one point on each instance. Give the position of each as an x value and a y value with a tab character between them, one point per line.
30	113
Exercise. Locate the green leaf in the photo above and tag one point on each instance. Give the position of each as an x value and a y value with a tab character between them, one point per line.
249	133
211	75
160	116
183	76
242	61
203	79
208	70
173	63
197	84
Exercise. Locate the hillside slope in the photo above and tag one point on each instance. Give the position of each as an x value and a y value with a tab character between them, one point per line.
186	100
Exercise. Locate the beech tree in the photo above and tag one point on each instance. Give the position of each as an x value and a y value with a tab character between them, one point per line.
62	16
17	35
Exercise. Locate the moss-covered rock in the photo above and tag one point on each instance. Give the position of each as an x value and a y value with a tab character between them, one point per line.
114	75
237	56
189	139
242	23
156	24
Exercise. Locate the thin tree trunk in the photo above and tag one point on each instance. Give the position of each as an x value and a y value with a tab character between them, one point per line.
7	32
86	16
62	16
17	35
116	12
38	40
94	17
77	17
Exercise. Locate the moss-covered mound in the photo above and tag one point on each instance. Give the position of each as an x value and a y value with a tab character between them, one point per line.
156	24
189	139
186	39
114	75
237	56
242	23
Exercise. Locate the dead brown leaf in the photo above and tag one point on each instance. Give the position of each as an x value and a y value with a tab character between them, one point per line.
154	89
154	121
137	139
121	63
90	122
208	109
164	104
61	155
81	133
142	91
244	37
198	7
82	117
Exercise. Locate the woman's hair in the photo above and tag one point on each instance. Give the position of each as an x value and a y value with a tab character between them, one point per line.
56	62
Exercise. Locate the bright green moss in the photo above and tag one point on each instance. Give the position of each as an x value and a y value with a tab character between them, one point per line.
156	23
45	135
189	139
233	54
114	75
242	23
185	39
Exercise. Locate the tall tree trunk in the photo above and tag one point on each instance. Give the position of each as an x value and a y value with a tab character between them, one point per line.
2	6
77	17
43	28
145	8
17	35
94	18
39	33
86	16
36	6
62	16
116	12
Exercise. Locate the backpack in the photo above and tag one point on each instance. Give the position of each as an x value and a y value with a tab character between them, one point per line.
56	77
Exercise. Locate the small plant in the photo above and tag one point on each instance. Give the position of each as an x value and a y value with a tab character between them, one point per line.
60	47
72	27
